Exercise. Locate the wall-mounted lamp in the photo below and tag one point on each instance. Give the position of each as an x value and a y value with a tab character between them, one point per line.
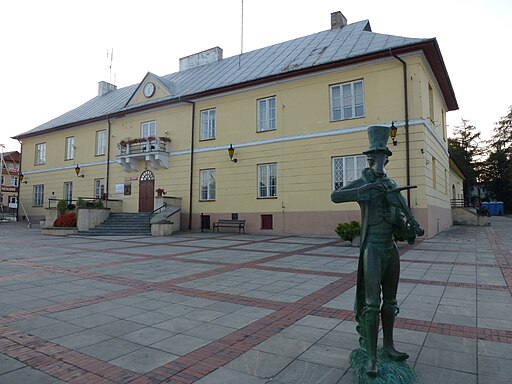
393	133
231	153
77	171
21	176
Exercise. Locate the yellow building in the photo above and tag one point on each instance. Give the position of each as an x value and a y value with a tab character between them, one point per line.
296	115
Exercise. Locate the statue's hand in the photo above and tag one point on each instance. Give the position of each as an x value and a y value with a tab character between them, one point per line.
371	190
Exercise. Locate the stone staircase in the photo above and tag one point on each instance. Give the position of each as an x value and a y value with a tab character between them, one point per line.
122	224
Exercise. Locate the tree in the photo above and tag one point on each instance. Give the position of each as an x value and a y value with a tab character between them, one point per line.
466	150
496	172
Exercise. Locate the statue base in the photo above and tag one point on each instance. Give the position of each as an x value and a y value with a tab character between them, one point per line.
389	371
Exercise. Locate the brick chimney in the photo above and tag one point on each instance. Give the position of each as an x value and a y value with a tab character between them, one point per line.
104	88
338	20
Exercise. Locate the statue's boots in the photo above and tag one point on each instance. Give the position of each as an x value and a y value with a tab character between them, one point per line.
372	334
388	314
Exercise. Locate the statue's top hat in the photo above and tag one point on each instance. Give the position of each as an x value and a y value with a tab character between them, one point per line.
378	136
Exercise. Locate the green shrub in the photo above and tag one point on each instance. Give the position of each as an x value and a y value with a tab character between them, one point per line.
80	203
347	231
62	205
98	203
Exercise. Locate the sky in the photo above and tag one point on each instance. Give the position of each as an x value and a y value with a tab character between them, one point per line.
54	52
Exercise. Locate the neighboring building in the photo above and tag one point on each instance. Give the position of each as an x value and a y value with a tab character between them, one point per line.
296	114
10	183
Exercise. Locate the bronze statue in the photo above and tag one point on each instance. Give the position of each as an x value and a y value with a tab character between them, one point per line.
384	216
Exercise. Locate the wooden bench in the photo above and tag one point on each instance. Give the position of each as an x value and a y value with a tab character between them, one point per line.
229	223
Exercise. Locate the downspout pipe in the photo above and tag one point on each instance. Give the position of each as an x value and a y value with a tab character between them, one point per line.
191	162
406	118
108	153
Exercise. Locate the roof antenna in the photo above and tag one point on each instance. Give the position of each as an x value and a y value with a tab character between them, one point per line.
110	64
241	38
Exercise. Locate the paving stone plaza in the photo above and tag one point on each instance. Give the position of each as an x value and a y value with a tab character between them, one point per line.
226	308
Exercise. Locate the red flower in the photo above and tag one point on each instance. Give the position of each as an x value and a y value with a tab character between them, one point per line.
66	220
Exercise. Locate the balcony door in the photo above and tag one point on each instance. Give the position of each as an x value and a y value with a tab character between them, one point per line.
146	192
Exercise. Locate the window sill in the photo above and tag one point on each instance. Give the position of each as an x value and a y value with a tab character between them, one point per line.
267	198
266	130
207	139
206	200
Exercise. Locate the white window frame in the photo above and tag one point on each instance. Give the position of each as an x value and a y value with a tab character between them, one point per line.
99	188
267	181
347	106
68	191
346	169
38	195
207	189
266	114
148	128
208	124
101	142
40	154
14	181
70	148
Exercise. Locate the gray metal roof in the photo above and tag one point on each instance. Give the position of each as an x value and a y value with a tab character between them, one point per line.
321	48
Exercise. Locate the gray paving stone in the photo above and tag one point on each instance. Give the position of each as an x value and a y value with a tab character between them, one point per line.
8	364
110	349
283	346
442	358
180	344
28	375
304	372
494	349
451	343
91	321
495	367
327	355
144	360
229	376
118	328
258	363
147	336
56	330
81	339
427	374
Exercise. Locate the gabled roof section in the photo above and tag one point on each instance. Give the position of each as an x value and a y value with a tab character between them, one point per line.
353	43
163	89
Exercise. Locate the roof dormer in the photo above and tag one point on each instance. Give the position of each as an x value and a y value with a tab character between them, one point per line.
151	88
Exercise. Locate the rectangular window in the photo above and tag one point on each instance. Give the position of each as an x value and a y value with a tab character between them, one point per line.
346	169
207	184
148	129
434	173
431	103
99	188
70	148
101	142
347	100
68	191
208	124
267	180
38	195
267	114
40	153
14	181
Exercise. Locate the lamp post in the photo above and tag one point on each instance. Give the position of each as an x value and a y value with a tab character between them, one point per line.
77	171
393	133
231	153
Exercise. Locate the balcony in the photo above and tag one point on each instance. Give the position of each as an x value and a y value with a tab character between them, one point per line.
134	154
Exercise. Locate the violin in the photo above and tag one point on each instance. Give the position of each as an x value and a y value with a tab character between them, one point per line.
395	199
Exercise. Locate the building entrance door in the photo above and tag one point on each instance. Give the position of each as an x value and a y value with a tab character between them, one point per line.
146	192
